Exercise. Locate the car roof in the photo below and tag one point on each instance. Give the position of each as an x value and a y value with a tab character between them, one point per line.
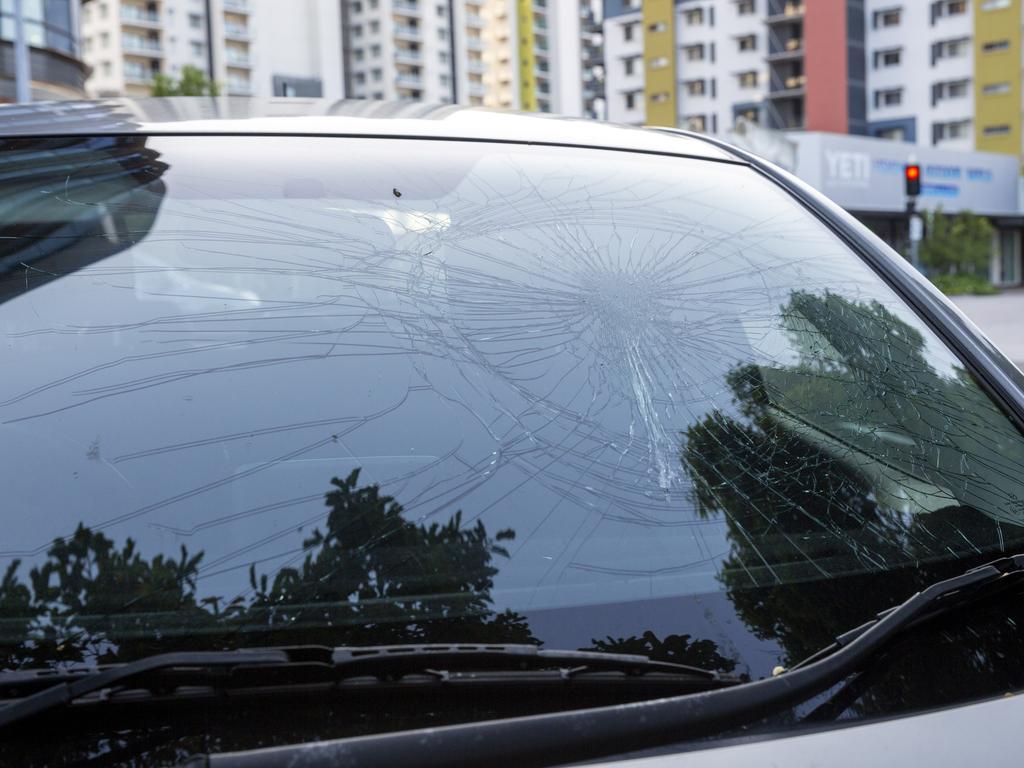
324	117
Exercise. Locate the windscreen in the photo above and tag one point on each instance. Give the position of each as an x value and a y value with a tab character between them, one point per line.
273	390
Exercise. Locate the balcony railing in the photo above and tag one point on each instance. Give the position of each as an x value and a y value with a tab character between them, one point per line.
239	6
408	80
139	76
236	31
407	31
239	88
142	45
238	61
408	7
407	56
133	14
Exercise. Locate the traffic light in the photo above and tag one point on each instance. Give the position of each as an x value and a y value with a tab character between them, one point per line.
912	177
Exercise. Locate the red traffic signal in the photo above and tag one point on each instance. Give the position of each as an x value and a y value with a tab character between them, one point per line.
912	178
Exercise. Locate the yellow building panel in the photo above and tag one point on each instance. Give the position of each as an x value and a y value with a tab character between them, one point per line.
997	56
527	58
660	62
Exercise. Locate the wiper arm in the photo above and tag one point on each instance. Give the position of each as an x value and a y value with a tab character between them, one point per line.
45	690
562	737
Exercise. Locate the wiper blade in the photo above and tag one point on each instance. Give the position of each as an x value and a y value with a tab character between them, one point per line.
562	737
46	690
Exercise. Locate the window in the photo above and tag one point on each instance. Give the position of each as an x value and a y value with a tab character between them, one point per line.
994	46
943	8
359	78
888	58
950	49
104	39
376	74
379	96
994	5
442	11
693	17
745	7
103	10
375	50
356	6
659	62
198	48
358	54
748	79
357	30
627	31
889	17
995	89
629	65
747	42
694	87
660	97
895	133
374	27
195	21
888	97
630	97
658	26
697	123
953	89
694	52
957	129
106	68
996	130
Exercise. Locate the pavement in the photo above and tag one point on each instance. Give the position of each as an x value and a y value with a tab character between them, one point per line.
1001	317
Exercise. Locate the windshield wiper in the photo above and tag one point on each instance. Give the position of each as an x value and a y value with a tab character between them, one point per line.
46	690
563	737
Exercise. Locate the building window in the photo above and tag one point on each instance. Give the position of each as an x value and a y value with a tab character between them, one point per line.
358	54
105	66
659	62
374	27
745	7
658	26
660	97
747	42
627	31
376	74
950	49
957	129
360	78
994	5
750	114
195	21
748	79
694	52
698	123
889	97
356	6
629	65
694	87
198	49
954	89
103	10
630	99
694	17
995	89
888	58
896	133
357	30
104	39
996	130
995	46
887	17
375	51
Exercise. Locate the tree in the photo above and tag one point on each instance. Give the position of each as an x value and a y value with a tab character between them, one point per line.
192	83
957	245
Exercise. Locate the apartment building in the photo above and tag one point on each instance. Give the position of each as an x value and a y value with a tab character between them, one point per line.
249	47
56	70
933	72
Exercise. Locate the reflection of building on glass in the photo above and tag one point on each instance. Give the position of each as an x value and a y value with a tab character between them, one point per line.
51	30
62	228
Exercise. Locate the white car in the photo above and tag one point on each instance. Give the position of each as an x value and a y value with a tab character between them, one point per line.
382	434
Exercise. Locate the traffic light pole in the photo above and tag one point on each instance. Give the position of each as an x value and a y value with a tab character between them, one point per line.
911	210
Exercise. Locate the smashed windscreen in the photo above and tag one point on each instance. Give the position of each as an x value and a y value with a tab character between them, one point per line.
359	391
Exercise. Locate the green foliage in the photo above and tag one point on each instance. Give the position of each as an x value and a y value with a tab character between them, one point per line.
956	245
676	649
953	285
192	83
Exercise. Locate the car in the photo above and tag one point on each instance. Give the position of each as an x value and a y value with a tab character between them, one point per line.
356	433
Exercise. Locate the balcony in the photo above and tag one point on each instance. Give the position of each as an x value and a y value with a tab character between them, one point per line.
792	49
141	46
407	8
236	32
140	17
407	32
239	61
474	20
408	56
239	88
139	76
790	12
474	44
477	89
236	6
476	66
408	80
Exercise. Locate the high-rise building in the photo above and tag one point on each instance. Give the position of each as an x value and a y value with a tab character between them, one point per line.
935	72
56	70
248	47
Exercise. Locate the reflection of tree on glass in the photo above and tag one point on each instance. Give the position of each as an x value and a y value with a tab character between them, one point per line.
370	577
678	649
840	465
